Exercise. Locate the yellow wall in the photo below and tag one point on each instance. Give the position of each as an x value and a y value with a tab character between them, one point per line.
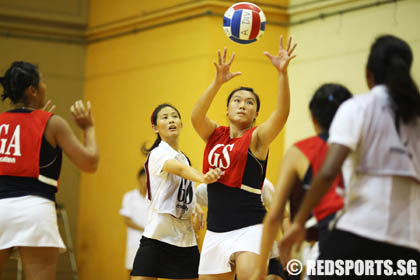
126	78
335	50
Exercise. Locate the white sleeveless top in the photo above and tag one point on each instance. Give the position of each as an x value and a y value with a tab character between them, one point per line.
387	151
172	200
381	173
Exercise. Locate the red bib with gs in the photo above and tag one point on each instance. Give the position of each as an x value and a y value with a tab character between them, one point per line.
20	142
228	154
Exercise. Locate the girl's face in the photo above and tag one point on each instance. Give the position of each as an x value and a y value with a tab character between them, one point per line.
168	123
242	107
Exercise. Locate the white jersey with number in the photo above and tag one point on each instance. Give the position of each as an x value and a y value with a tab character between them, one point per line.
172	200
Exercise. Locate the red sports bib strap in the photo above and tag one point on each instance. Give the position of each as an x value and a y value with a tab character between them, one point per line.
146	168
20	144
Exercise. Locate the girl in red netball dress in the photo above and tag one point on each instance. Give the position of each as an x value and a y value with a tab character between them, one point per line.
32	141
235	210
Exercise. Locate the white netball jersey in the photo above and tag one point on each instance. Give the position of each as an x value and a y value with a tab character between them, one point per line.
381	173
172	200
387	149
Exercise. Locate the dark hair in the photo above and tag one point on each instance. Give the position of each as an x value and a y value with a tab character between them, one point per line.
247	89
325	102
17	78
389	62
153	120
141	172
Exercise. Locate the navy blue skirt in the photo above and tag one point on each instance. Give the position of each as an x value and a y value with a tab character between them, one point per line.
155	258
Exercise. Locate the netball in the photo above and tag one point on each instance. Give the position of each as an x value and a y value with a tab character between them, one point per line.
244	22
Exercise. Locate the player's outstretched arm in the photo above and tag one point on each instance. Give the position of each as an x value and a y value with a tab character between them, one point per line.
190	173
201	123
84	155
269	129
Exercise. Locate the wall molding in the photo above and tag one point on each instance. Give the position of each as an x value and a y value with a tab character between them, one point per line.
73	27
187	11
74	10
318	10
59	21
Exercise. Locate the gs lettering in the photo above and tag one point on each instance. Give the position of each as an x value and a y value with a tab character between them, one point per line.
220	160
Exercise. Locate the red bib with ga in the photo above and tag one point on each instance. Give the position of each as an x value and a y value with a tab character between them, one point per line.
315	150
20	142
228	154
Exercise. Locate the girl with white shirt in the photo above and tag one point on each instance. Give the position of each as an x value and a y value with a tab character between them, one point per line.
135	210
168	248
375	137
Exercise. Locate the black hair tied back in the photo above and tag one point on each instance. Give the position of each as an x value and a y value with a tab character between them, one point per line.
390	61
325	102
17	79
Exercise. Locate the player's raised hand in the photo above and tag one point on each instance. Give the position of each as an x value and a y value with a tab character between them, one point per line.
82	117
284	56
223	68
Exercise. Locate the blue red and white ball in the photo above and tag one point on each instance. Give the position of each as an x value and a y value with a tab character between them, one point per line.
244	22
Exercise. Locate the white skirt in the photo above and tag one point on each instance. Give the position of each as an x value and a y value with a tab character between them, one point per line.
217	254
29	221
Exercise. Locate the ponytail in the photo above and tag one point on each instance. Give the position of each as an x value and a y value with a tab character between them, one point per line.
146	151
402	89
390	61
